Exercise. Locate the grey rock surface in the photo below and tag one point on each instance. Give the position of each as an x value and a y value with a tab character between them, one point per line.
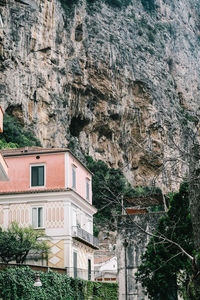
116	83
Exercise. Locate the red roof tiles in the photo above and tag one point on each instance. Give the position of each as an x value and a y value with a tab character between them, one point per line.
31	150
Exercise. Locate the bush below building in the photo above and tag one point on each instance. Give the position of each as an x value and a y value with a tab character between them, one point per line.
18	284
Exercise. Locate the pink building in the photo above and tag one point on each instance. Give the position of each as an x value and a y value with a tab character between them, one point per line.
3	166
1	119
51	189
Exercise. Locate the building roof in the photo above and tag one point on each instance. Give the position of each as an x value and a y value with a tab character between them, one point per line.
24	151
102	259
35	191
146	201
31	150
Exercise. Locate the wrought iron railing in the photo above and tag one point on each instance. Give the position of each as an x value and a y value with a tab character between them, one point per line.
82	234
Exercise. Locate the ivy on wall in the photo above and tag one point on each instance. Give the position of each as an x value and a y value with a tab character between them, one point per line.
18	284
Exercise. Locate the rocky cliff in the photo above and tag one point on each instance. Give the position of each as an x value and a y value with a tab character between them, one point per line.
115	79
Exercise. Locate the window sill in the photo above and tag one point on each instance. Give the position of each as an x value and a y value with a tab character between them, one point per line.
39	228
37	187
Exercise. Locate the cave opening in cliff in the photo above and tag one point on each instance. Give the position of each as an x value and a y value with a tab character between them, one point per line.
16	112
77	125
79	33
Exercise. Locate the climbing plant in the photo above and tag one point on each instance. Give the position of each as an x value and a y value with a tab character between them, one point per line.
18	284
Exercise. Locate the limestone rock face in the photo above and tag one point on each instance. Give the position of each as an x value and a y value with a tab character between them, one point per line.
115	82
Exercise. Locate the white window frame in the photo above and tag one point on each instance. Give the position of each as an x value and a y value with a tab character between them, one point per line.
74	168
39	186
43	217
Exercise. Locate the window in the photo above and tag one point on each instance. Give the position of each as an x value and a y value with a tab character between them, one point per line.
73	177
75	264
37	176
87	189
89	269
37	217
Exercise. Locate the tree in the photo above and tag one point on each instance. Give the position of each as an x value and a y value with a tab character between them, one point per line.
109	186
16	243
189	160
163	261
194	171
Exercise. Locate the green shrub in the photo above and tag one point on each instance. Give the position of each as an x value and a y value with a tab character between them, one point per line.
114	3
68	3
151	37
118	3
18	284
149	5
15	135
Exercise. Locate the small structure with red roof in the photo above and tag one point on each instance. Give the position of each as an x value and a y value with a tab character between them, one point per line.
105	268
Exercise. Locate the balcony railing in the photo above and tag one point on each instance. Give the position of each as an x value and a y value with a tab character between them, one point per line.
85	237
94	275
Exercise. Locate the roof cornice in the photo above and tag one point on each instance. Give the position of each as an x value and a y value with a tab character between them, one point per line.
47	196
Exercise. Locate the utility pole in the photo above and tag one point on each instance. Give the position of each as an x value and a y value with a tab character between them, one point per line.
125	268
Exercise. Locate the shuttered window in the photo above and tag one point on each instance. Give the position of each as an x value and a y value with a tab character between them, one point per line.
89	269
37	176
73	177
34	217
37	217
87	189
75	264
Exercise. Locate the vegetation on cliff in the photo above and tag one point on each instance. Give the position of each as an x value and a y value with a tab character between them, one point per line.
110	189
108	186
15	135
116	3
148	5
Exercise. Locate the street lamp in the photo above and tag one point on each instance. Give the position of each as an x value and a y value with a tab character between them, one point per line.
125	244
37	281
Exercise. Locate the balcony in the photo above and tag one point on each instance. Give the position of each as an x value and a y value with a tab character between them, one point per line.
85	237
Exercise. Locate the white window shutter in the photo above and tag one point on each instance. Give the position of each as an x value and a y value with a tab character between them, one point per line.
34	217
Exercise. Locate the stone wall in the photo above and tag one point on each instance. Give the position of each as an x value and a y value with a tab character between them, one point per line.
137	241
